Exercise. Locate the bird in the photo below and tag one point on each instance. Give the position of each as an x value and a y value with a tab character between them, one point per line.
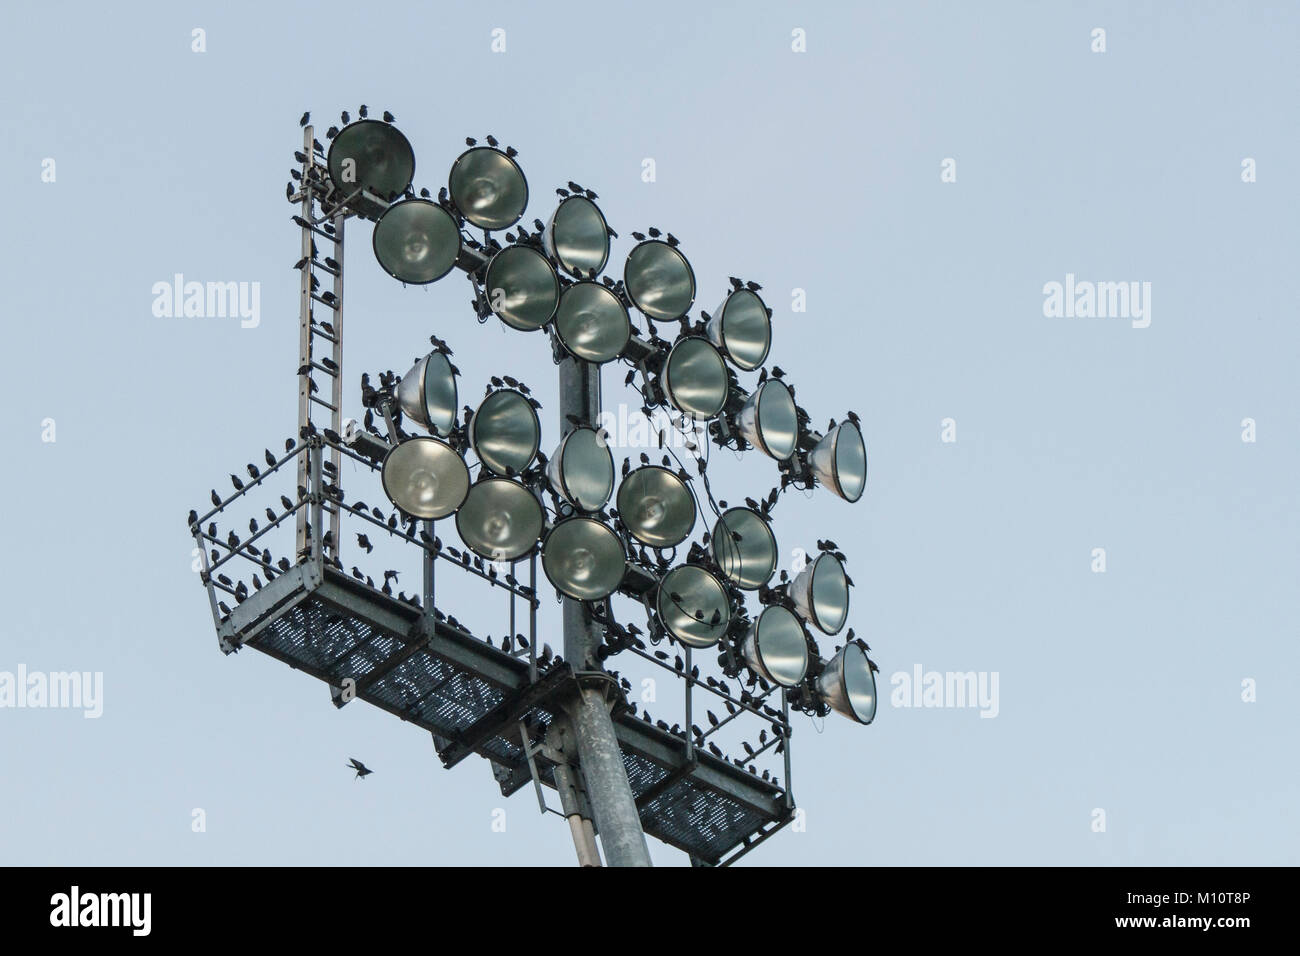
193	517
364	542
362	770
239	485
305	119
216	498
344	116
362	111
388	117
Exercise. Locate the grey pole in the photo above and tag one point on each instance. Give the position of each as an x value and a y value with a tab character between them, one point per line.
600	758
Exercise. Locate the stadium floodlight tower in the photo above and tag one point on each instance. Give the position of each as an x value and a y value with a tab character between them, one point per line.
599	532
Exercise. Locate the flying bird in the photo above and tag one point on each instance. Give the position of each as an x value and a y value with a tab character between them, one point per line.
361	769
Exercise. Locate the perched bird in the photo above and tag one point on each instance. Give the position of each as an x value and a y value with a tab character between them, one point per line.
388	117
216	498
305	119
364	542
344	116
362	770
362	111
239	485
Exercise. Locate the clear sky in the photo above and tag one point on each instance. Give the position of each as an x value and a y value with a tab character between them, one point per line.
819	171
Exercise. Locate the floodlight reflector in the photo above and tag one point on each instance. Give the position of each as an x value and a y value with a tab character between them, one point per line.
505	432
592	322
425	478
657	506
427	394
744	547
582	469
840	461
583	558
821	593
741	329
769	421
848	684
577	237
416	241
695	377
659	280
776	647
488	188
522	287
500	520
372	156
693	606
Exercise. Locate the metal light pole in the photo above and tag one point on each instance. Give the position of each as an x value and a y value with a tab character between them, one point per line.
600	758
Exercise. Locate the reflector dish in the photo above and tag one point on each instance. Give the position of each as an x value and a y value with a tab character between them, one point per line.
848	684
776	647
522	287
659	280
695	378
657	506
693	606
582	470
416	241
373	156
427	394
488	188
741	329
583	558
425	478
821	593
769	421
500	520
840	461
744	547
577	237
592	322
505	433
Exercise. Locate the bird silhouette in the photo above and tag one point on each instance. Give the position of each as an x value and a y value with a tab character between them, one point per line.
304	119
362	770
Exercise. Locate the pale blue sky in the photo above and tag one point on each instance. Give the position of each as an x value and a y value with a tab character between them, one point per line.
818	171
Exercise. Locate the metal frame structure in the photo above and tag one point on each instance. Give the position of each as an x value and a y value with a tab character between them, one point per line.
564	725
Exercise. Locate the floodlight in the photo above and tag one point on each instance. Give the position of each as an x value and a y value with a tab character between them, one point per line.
373	156
584	558
821	593
505	432
500	520
848	685
840	461
522	287
659	280
769	421
776	647
693	606
427	394
425	477
582	469
416	241
744	547
488	188
577	237
657	506
592	322
695	377
741	329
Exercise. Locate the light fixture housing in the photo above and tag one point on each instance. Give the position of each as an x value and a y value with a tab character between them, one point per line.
584	558
372	157
577	237
840	461
488	188
848	685
657	506
695	378
425	478
592	322
522	287
500	520
582	469
427	394
820	593
416	241
659	280
693	606
741	329
744	548
769	420
776	647
504	432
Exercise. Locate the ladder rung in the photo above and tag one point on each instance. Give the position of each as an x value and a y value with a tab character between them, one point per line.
321	401
329	305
